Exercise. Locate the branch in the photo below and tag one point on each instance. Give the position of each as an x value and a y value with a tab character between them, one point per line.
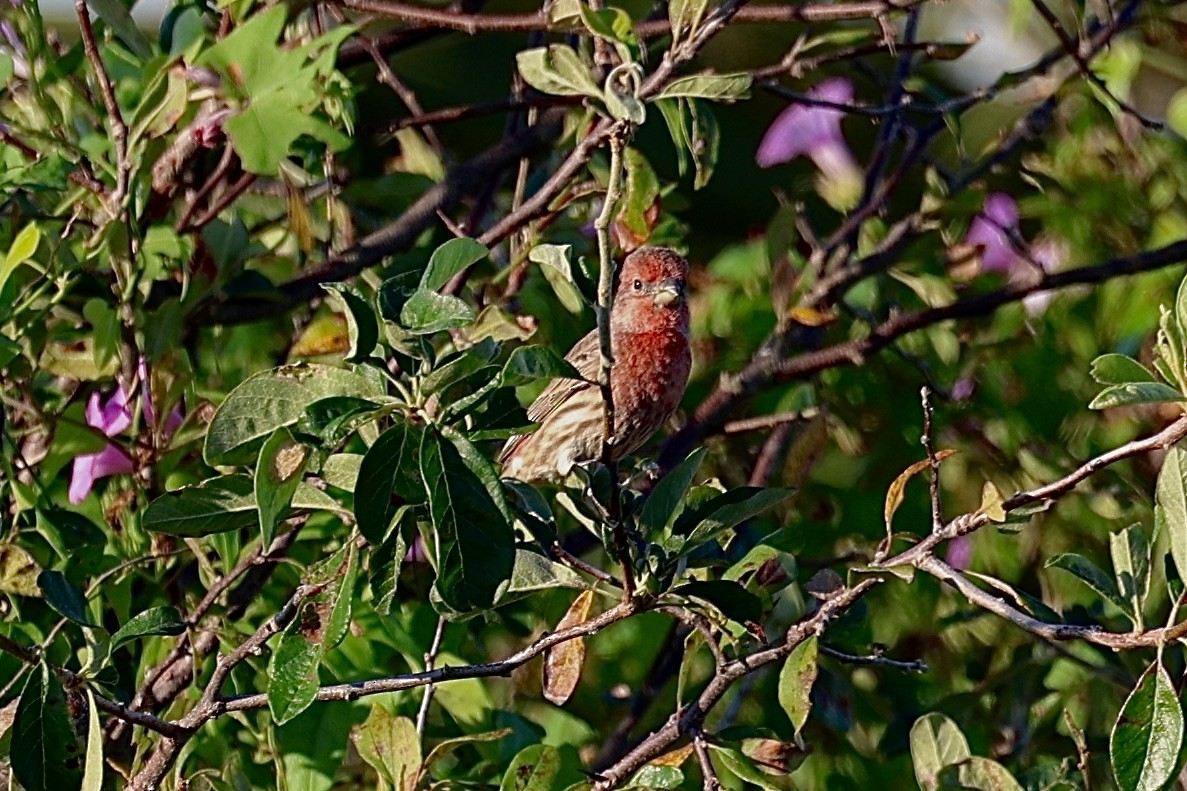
971	522
119	129
472	24
1118	641
689	719
768	369
397	235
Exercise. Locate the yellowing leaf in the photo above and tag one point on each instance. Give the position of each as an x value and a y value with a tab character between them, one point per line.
810	317
991	503
563	662
894	495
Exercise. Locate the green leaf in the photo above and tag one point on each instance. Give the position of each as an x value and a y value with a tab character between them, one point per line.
444	748
276	398
1118	369
704	140
220	504
796	680
936	743
748	769
342	470
983	774
715	87
639	196
685	17
557	69
155	621
264	132
663	504
92	778
361	324
330	421
532	363
1135	393
427	312
726	512
1090	574
1144	746
532	572
1170	497
734	601
119	19
319	625
622	94
278	473
388	478
387	559
106	327
475	541
533	769
65	598
22	249
1131	566
449	259
44	754
655	777
391	746
213	506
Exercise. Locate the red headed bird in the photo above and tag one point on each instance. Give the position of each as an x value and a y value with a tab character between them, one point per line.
652	359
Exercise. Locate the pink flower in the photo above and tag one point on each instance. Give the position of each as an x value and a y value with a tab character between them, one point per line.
814	131
113	418
991	230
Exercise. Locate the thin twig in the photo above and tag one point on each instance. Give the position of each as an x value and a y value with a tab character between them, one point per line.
709	781
876	660
933	461
422	716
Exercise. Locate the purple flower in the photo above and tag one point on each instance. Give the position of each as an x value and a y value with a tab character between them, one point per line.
991	230
113	418
960	552
814	131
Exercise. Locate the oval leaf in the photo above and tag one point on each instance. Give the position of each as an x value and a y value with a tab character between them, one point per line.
1144	746
796	680
564	661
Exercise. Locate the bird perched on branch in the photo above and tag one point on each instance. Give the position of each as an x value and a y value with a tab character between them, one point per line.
652	359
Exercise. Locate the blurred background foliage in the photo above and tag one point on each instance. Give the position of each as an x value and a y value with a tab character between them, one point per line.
155	269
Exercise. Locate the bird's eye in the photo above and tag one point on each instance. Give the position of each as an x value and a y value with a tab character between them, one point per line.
638	285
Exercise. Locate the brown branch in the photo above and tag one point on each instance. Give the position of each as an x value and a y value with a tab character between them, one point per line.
875	660
971	522
766	370
1118	641
395	236
119	129
689	719
473	24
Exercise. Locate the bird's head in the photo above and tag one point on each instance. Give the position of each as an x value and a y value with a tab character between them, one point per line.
652	291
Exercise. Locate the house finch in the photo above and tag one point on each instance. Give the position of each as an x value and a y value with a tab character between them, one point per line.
649	338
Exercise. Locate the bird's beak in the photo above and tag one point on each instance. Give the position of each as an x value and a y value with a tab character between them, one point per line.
667	292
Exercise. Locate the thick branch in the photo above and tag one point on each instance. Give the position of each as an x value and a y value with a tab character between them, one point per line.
765	370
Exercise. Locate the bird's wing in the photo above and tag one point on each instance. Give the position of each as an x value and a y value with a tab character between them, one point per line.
585	356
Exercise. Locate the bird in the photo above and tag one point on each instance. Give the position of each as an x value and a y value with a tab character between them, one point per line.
649	331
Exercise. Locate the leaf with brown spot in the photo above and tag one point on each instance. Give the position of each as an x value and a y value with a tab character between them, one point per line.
894	495
18	571
391	746
563	662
